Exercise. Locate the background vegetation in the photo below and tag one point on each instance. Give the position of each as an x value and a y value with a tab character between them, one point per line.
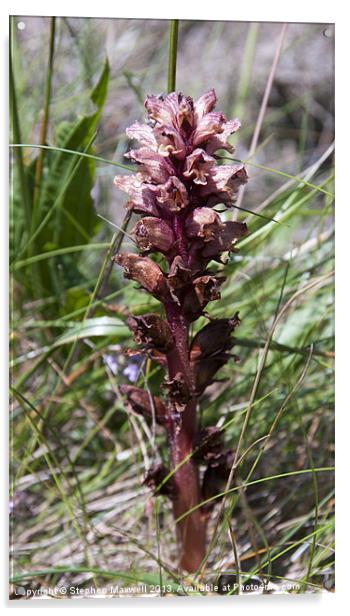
79	513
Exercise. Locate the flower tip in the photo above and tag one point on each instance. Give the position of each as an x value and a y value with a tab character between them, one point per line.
116	180
118	259
235	124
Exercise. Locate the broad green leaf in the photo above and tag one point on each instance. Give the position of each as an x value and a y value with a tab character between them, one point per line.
100	326
74	221
77	200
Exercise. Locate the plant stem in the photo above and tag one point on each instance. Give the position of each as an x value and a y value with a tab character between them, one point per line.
173	35
191	531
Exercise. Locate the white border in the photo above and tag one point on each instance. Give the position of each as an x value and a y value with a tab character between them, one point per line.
308	10
267	10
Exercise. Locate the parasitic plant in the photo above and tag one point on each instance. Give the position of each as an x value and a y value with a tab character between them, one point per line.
178	184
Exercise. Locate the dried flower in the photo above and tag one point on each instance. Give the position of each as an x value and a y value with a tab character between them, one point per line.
203	222
208	444
153	235
154	480
152	331
178	391
142	403
144	271
213	338
215	478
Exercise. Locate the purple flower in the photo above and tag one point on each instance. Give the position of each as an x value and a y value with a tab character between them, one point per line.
173	170
132	372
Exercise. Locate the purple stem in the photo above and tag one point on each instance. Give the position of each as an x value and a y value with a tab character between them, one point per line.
191	531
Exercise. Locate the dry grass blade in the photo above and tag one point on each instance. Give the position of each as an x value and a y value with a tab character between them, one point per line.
264	102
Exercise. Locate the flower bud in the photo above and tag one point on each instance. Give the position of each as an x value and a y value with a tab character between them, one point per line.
142	403
144	271
153	234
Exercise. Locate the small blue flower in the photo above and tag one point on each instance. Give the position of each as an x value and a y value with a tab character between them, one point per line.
132	372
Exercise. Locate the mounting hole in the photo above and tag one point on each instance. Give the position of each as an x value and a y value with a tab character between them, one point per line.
328	32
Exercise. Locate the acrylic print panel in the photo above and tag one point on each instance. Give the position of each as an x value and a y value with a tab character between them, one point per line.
172	308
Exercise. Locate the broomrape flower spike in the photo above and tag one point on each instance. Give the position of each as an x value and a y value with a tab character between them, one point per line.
177	185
